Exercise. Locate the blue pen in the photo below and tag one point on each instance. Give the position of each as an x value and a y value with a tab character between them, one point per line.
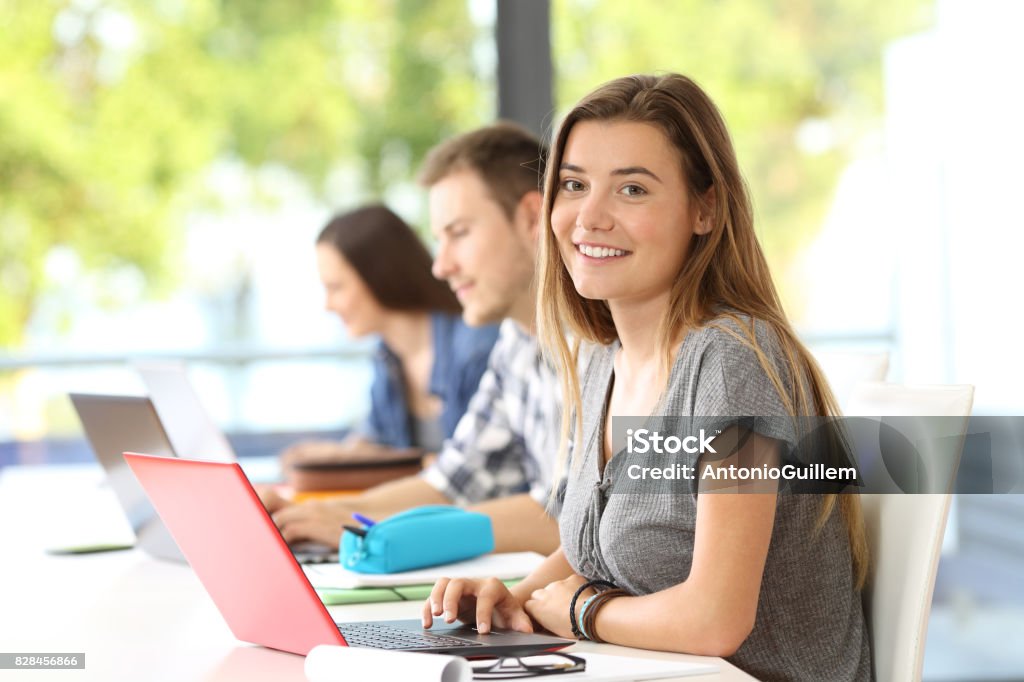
365	520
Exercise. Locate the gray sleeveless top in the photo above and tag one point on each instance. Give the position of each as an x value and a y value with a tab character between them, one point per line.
810	621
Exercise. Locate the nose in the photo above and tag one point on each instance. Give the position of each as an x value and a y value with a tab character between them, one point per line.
329	304
443	265
593	214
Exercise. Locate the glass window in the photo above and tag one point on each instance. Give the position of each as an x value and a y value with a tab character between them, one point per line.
166	168
802	92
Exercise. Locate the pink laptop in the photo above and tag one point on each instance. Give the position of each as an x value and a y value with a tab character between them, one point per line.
232	544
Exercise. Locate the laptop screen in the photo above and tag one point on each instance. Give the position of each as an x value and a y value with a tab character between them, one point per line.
191	429
112	425
238	554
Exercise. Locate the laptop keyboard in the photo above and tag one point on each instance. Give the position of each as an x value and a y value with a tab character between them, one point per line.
382	636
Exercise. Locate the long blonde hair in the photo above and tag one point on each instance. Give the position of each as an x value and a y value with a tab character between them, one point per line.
725	269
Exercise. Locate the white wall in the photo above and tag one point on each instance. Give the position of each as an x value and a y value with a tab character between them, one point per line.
955	160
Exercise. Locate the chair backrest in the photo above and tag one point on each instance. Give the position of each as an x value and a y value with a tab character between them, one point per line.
904	534
846	370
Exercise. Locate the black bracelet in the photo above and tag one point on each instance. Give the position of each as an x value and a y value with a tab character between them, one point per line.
572	605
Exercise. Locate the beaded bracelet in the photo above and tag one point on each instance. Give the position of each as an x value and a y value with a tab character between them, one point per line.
572	605
589	624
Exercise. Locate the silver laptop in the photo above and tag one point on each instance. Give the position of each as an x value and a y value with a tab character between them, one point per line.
116	424
112	425
192	430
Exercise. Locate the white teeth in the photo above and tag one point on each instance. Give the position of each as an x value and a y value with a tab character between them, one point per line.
599	251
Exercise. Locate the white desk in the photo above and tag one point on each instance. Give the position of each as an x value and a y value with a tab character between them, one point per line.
137	618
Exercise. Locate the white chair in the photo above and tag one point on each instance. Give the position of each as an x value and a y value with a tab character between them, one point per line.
846	370
905	532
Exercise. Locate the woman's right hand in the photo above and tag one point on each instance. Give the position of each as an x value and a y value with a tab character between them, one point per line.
485	602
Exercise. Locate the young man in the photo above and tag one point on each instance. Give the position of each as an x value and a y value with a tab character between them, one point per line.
485	212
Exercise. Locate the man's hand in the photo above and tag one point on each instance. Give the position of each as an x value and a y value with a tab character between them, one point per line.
271	499
321	520
317	520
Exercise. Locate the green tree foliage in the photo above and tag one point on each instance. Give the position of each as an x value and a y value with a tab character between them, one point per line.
776	69
111	111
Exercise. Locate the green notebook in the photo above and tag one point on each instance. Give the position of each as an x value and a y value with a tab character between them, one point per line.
414	592
371	595
88	549
359	595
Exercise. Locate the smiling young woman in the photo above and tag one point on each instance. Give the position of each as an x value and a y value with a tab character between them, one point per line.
650	263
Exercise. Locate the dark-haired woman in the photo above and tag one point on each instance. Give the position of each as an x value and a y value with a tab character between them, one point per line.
377	279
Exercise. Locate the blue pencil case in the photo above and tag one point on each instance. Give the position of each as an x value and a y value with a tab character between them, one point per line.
418	538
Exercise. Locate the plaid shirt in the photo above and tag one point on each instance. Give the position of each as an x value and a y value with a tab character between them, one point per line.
507	441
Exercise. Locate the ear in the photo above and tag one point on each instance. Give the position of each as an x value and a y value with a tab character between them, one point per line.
528	214
705	213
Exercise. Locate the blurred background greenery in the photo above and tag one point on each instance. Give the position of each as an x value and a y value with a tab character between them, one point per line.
112	112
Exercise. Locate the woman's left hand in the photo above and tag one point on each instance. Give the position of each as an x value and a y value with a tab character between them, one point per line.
550	606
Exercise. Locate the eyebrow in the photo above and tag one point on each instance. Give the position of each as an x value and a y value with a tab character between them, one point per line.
628	170
453	224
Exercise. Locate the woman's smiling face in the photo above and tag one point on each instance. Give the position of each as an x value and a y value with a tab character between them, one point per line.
622	214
